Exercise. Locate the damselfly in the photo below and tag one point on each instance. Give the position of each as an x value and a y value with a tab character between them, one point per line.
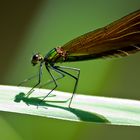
119	38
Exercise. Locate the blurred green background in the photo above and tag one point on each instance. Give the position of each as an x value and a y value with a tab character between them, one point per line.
40	25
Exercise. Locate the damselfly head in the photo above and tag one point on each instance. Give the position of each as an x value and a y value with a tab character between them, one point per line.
36	59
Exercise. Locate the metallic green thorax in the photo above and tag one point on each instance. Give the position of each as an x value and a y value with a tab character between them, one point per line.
55	55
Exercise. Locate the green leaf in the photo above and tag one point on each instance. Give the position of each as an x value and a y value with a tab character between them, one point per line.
83	108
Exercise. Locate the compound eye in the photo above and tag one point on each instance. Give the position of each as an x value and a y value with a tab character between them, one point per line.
35	57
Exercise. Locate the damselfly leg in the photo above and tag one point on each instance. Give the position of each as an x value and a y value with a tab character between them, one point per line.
39	80
59	68
28	79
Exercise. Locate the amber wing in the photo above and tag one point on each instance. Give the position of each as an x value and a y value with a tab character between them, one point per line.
119	38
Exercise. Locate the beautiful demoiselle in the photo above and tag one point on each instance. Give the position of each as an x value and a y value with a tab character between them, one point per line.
119	38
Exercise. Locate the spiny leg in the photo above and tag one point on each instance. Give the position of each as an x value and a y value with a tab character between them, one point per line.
39	80
76	78
26	80
56	78
53	82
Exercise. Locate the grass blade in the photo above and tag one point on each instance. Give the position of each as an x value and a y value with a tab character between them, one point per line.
84	108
